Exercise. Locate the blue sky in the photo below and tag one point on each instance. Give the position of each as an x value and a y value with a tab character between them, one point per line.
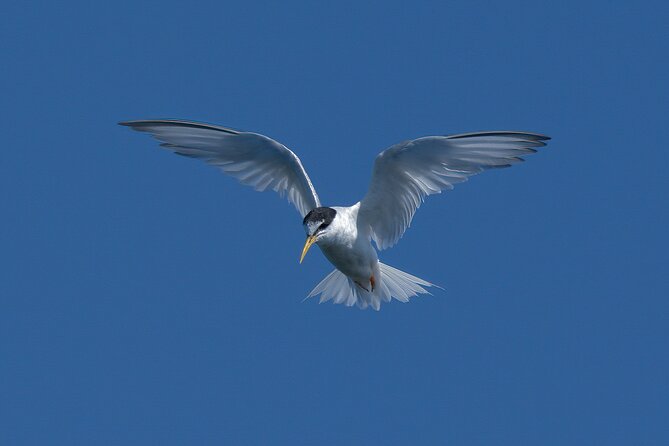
143	301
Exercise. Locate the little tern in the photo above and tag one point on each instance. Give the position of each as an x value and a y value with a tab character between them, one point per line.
402	177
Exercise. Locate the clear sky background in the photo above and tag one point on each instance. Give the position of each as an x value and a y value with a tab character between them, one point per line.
146	298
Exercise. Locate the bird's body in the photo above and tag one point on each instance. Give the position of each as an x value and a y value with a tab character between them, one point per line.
348	246
403	176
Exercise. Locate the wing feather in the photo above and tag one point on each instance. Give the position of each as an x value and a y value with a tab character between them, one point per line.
251	158
406	173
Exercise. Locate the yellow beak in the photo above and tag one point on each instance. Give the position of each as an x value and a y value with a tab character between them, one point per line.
310	241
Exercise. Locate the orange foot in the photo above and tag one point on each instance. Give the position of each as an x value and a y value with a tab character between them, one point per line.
372	281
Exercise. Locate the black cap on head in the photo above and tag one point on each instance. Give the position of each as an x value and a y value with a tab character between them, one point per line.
323	213
318	219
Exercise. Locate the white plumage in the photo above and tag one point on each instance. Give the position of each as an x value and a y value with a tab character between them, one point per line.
403	176
406	173
255	160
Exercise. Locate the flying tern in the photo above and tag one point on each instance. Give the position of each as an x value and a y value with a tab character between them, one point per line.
402	177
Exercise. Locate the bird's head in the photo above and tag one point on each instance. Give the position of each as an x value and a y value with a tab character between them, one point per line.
315	225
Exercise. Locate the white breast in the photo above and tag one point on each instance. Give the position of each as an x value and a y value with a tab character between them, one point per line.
348	246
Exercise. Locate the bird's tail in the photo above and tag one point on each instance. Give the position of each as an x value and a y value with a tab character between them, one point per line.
393	283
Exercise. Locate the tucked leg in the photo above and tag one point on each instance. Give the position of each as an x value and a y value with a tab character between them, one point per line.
360	285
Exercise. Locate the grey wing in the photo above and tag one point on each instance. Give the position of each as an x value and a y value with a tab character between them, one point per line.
406	173
253	159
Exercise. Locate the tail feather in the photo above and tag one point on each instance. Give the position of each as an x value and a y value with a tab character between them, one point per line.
336	286
393	283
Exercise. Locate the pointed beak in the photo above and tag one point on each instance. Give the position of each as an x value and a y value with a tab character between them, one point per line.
310	241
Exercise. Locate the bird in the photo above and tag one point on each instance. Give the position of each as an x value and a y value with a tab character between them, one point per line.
402	177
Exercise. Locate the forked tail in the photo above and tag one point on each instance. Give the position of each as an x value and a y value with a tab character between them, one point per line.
393	283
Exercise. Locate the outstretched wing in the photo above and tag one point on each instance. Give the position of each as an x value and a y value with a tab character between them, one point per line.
255	160
406	173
